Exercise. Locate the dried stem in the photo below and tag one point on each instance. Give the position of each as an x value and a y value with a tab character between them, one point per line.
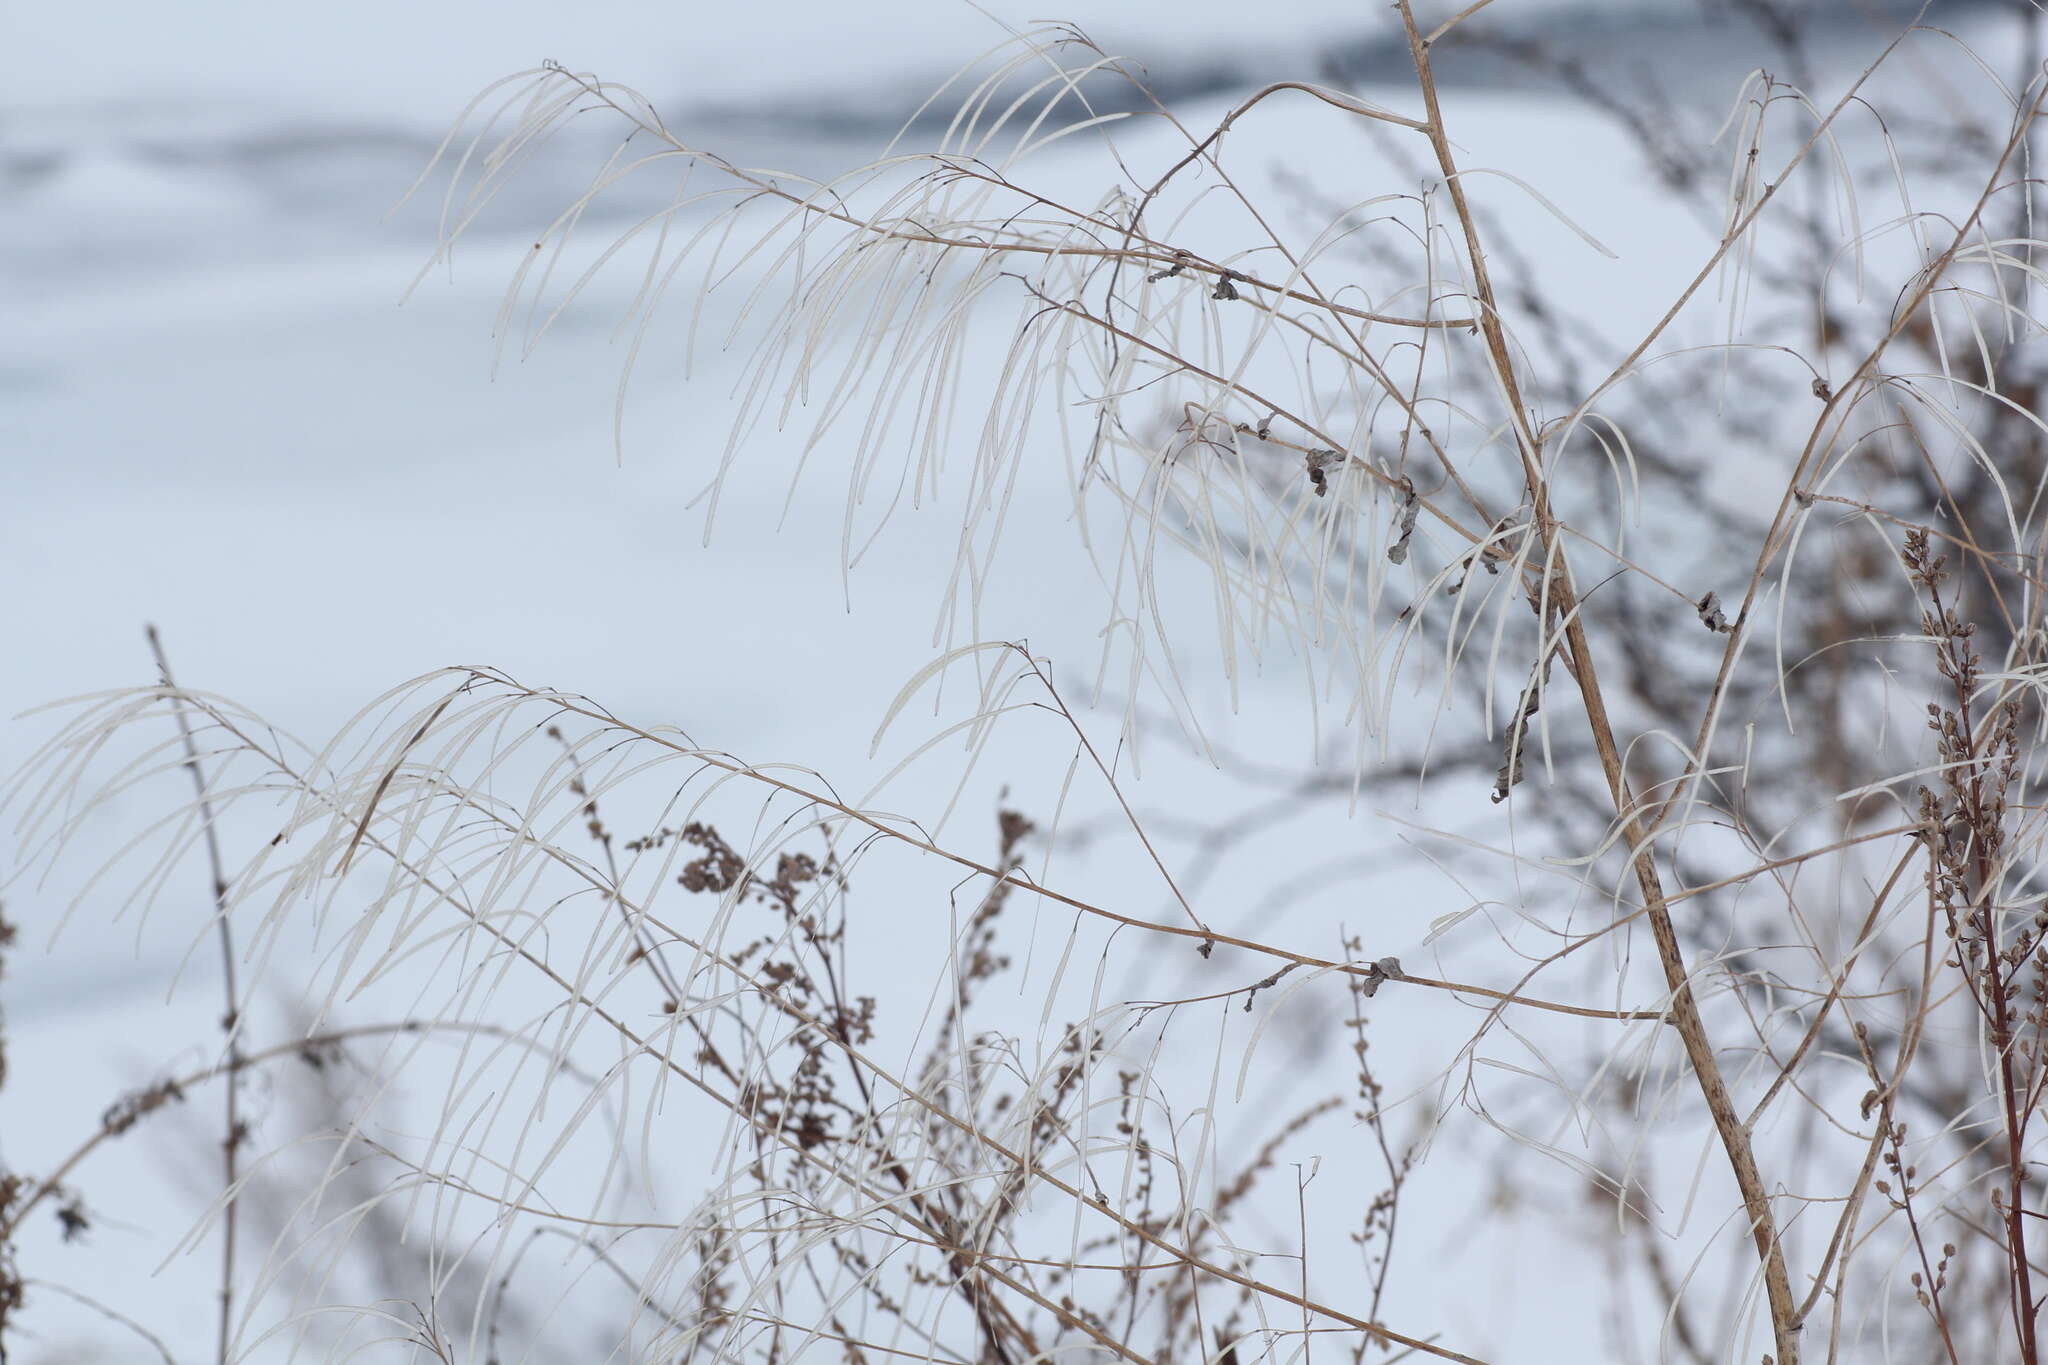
233	1134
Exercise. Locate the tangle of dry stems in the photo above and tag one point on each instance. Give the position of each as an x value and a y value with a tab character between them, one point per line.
1365	471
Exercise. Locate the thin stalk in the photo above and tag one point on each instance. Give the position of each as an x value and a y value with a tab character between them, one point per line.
1699	1049
231	1019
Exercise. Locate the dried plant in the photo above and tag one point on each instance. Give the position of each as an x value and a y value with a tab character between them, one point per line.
1650	624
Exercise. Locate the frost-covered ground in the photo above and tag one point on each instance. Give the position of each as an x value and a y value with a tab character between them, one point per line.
214	416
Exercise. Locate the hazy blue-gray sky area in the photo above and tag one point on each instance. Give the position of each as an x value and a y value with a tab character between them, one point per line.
382	58
385	55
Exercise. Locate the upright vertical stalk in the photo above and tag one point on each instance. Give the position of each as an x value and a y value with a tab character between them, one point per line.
230	1020
1699	1050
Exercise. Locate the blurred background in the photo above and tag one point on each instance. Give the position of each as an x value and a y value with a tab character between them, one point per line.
229	406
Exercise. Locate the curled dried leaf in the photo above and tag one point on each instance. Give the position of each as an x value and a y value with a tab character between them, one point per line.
1320	463
1411	508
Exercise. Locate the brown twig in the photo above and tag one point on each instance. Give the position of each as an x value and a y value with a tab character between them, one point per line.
1700	1055
231	1018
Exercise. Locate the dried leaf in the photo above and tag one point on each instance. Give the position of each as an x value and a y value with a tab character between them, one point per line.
1411	507
1320	462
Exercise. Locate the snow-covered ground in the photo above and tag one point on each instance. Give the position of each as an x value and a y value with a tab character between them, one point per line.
216	417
